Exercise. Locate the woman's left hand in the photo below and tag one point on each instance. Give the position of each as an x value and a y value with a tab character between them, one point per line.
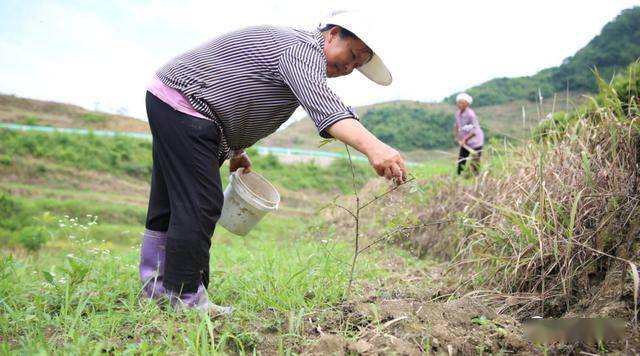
241	160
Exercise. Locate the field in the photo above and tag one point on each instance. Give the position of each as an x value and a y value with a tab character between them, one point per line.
73	212
445	264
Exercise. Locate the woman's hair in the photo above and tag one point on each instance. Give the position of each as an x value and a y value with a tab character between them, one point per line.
344	33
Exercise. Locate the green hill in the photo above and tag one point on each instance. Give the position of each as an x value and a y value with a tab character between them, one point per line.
611	51
419	128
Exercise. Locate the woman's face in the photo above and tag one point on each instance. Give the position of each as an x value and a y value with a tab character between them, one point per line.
344	54
462	105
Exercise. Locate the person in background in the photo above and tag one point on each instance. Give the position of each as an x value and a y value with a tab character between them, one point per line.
467	134
216	100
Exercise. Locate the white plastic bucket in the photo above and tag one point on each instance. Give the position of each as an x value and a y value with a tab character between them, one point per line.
247	199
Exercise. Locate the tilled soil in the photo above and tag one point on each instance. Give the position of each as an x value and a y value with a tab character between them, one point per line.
408	327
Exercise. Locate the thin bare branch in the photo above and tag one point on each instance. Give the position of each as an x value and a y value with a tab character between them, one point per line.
385	193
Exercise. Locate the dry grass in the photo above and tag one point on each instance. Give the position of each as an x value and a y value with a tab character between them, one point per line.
545	233
555	231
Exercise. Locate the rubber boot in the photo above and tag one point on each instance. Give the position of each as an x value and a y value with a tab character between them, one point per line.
152	254
198	301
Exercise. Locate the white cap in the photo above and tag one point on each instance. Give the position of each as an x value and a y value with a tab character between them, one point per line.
464	96
355	22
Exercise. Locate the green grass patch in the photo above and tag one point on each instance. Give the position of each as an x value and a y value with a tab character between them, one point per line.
31	120
94	117
132	157
117	155
336	176
81	295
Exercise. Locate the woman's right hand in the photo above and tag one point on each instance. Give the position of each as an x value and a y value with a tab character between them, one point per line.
387	162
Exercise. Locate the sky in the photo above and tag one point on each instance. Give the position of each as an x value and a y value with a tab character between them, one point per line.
102	54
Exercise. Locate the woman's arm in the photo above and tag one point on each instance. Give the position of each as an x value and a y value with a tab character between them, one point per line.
385	160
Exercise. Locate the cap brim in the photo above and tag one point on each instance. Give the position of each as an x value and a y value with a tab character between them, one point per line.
376	71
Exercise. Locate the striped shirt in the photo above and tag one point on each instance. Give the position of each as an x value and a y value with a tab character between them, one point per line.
250	82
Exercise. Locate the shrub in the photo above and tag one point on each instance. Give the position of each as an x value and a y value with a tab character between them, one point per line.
5	160
627	86
31	120
94	117
32	238
10	209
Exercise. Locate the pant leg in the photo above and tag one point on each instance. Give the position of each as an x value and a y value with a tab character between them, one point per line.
187	150
159	210
462	159
152	250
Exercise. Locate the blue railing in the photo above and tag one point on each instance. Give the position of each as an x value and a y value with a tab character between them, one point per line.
278	151
74	131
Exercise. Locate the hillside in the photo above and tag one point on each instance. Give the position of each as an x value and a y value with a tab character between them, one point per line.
503	120
25	111
611	51
303	133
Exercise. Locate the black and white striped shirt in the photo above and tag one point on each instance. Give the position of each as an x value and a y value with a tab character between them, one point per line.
250	82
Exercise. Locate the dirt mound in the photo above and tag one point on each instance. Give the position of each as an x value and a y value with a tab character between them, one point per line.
412	327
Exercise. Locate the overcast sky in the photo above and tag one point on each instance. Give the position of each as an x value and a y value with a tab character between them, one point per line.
103	53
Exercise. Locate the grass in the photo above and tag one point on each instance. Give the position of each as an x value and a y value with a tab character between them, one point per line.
132	158
30	120
81	295
94	117
79	292
336	177
117	155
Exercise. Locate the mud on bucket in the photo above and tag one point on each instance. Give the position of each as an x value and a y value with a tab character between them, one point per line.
247	199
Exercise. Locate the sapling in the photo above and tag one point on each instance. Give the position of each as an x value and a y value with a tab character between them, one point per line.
356	214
